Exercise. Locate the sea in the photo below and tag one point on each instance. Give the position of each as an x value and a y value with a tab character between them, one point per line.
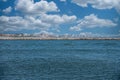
59	60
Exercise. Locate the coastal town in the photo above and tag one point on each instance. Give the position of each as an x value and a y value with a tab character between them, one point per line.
44	36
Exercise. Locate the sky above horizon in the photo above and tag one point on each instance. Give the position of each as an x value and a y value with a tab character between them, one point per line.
87	17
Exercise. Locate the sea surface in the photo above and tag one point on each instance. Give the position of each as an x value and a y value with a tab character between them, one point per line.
59	60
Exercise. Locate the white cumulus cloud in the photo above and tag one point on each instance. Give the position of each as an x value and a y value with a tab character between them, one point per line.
7	10
31	7
92	21
99	4
18	23
56	19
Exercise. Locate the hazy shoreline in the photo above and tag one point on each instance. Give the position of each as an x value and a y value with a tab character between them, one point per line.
39	38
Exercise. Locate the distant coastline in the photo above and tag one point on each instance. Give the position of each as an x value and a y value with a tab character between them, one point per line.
39	38
53	37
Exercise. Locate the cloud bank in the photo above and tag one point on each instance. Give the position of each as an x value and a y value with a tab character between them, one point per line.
46	16
34	16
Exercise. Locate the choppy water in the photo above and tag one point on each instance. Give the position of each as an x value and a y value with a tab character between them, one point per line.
59	60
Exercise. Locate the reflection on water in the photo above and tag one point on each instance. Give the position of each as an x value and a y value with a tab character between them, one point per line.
59	60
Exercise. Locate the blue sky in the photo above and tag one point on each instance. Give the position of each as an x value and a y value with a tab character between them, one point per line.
100	17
